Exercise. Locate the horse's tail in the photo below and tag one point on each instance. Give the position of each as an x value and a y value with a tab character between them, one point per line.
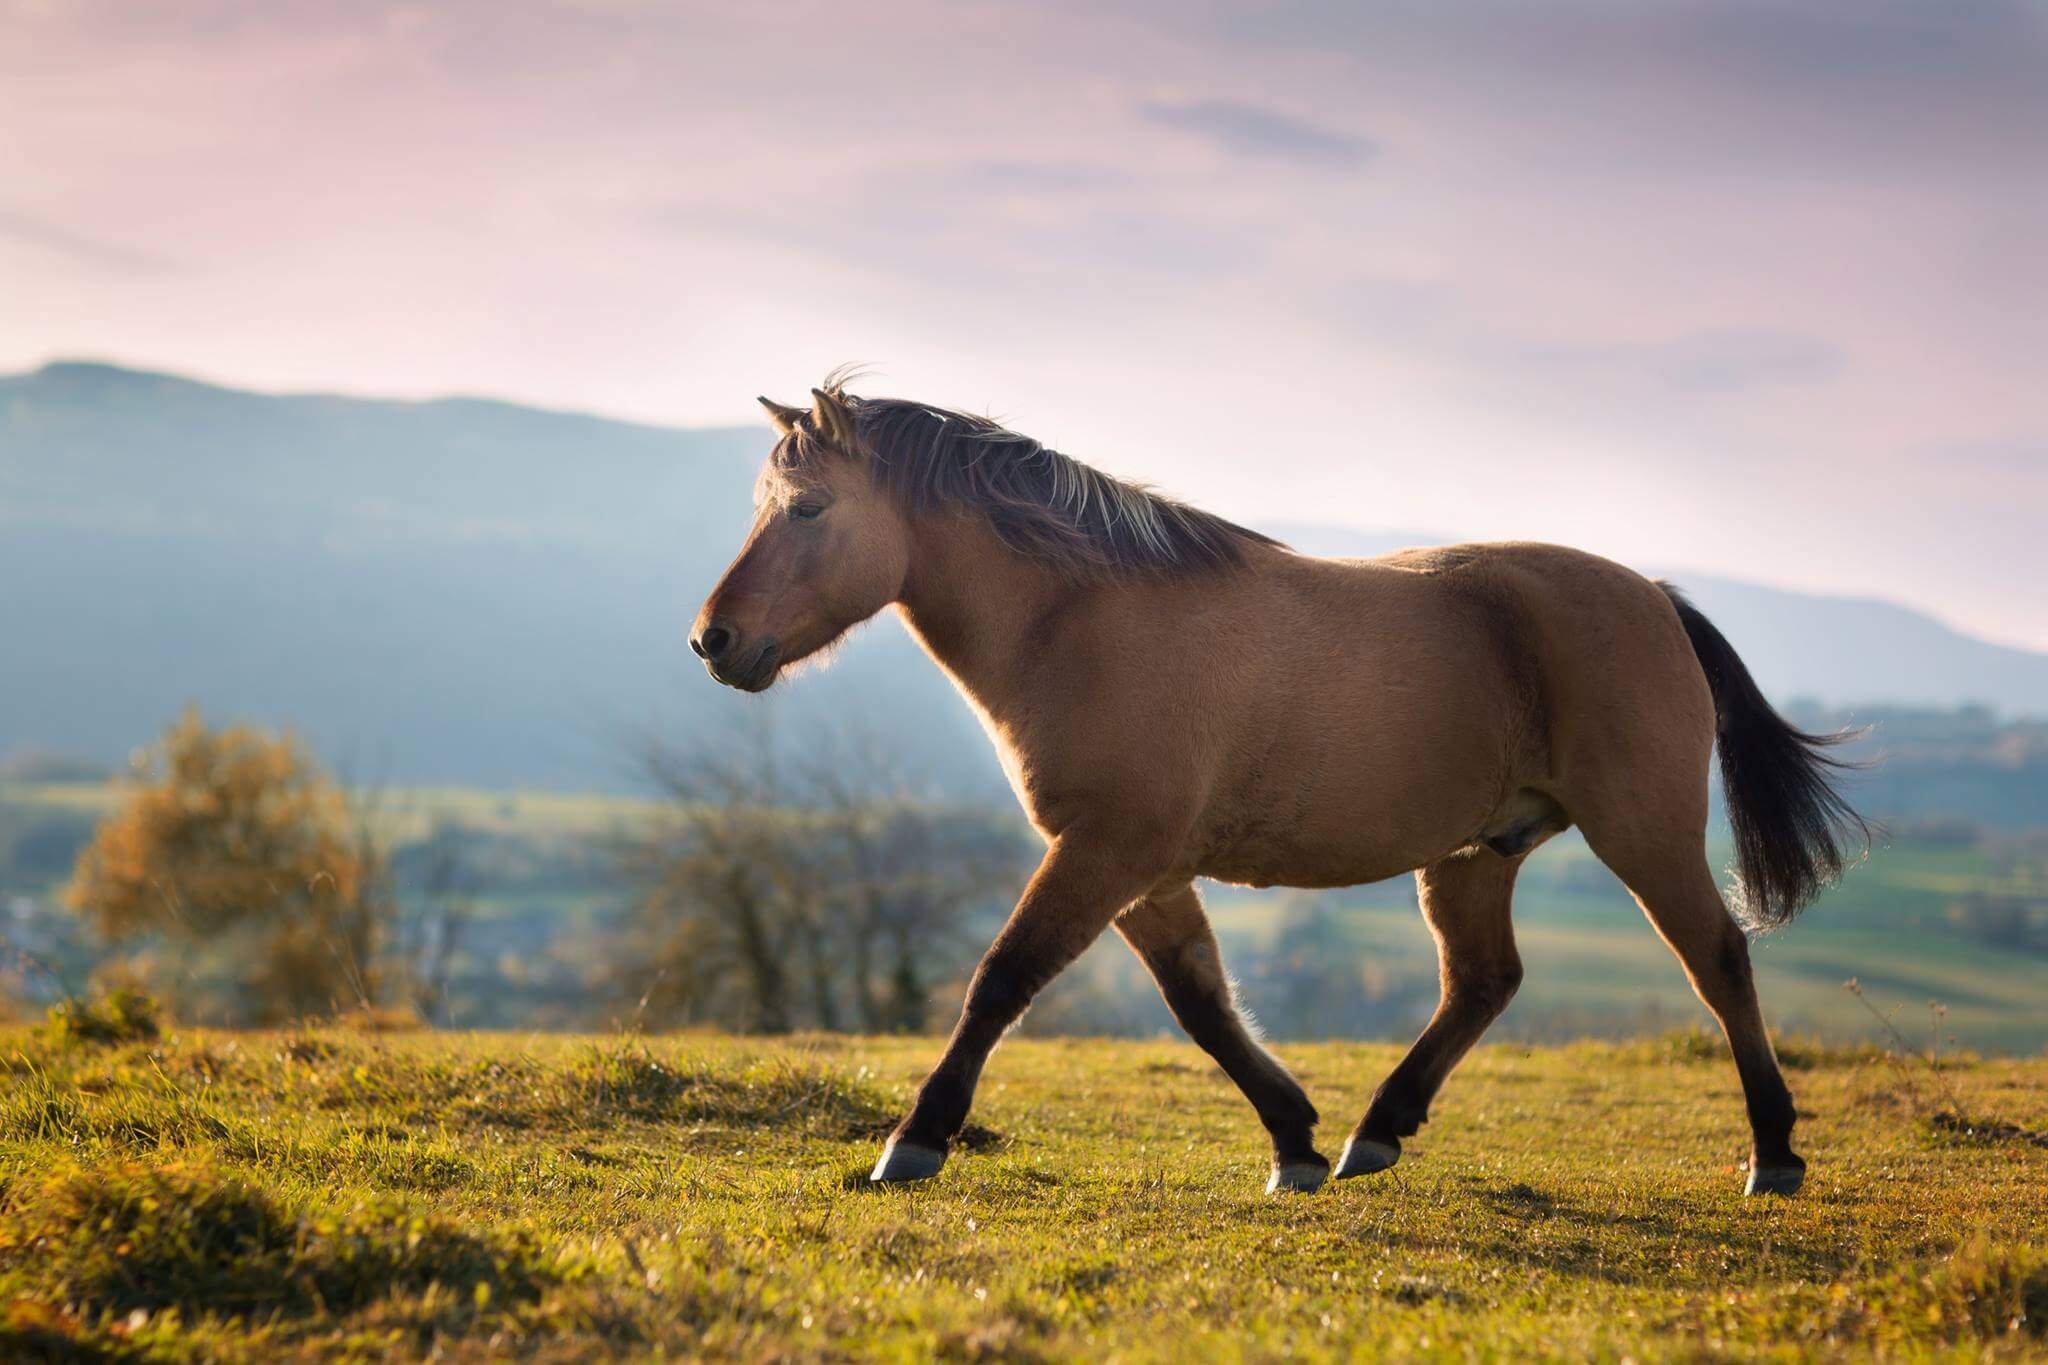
1790	822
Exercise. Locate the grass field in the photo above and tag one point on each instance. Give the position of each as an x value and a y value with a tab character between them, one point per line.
336	1195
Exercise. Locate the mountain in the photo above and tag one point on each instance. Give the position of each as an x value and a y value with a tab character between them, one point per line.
443	592
473	592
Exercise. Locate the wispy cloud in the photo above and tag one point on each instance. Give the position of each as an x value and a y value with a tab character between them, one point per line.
1429	318
1254	130
79	246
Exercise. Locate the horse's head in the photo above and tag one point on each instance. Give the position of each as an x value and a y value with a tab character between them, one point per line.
828	549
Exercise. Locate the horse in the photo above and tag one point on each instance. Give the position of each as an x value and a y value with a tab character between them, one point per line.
1176	697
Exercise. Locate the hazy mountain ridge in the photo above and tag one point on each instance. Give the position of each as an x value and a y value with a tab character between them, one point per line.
470	591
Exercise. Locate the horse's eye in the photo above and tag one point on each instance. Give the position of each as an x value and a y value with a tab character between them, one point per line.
807	511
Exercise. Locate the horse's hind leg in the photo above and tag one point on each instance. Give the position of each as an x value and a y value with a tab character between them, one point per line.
1171	935
1672	882
1466	899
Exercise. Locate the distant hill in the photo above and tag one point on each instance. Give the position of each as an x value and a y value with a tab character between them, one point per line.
474	592
443	592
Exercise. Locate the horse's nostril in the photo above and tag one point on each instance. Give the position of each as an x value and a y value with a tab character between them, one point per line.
712	643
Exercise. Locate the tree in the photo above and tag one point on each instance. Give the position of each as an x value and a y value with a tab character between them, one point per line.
774	897
232	856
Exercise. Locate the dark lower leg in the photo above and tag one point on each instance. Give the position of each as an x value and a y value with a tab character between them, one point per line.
1469	1007
1685	906
1172	937
1728	987
1077	891
1466	901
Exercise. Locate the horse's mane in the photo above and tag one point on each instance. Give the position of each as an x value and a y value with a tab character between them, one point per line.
1039	502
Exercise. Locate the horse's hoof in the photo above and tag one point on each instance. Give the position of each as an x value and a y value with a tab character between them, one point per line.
1775	1179
1364	1156
1298	1177
907	1161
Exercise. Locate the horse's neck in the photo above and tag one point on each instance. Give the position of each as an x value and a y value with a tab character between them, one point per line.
976	606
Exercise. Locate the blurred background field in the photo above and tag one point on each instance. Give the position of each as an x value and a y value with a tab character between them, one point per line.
1940	912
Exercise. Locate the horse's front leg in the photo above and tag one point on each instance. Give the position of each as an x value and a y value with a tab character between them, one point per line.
1078	889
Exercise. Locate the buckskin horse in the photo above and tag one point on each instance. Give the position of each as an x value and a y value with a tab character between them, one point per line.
1175	697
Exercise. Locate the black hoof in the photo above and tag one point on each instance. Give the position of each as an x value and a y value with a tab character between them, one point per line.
907	1161
1298	1177
1366	1156
1775	1180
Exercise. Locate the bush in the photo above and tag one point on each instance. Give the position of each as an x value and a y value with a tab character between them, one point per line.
120	1016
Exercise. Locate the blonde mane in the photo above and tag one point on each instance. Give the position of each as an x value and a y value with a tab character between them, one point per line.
1038	501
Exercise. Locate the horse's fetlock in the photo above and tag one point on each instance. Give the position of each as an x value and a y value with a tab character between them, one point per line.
1296	1115
1393	1117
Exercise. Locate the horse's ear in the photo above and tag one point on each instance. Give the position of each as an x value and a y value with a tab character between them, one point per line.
781	414
832	419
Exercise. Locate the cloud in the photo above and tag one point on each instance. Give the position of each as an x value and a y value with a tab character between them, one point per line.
2000	456
1726	361
1429	318
1035	177
1253	130
1026	228
78	246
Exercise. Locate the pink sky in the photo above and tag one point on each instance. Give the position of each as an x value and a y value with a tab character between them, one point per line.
1755	289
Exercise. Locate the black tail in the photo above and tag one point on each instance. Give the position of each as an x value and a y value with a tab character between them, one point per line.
1790	823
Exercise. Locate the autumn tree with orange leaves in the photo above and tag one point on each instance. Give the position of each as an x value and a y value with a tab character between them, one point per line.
231	870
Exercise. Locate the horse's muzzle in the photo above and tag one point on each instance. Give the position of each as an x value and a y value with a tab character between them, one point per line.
753	673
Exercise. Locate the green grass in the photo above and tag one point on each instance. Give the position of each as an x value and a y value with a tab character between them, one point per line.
333	1195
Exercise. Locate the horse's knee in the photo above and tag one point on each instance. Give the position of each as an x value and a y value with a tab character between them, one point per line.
1487	988
1507	981
1000	991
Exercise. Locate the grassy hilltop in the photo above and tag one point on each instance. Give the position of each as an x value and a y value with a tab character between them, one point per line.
335	1195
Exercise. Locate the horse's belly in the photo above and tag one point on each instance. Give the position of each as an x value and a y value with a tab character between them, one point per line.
1260	852
1352	817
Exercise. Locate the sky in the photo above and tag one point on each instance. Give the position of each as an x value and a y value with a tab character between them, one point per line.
1754	289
